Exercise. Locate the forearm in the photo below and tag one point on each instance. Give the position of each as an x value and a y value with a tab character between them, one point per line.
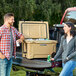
21	39
57	55
72	55
60	50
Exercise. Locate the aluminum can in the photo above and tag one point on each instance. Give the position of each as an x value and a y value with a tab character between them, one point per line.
17	44
48	58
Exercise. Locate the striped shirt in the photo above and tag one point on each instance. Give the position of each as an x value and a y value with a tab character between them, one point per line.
5	40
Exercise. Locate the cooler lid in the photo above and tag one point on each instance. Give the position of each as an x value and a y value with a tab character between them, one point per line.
41	41
34	29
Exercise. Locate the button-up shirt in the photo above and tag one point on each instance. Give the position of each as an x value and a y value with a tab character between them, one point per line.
5	40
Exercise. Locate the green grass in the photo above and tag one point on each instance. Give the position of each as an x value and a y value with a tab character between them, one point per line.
18	73
21	72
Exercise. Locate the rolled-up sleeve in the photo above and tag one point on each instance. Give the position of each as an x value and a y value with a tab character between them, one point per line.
18	34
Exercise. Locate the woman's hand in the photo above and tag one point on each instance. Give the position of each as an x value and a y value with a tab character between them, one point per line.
2	56
52	59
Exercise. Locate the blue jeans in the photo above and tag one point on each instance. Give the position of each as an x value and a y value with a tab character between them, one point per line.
5	67
68	68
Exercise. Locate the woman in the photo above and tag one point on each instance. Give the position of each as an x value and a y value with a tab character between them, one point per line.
67	49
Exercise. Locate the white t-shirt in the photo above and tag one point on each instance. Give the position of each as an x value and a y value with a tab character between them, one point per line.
68	39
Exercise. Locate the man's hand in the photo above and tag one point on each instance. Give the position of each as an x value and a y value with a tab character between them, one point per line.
21	39
2	56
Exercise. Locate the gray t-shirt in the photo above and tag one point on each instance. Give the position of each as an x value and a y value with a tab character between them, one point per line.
11	46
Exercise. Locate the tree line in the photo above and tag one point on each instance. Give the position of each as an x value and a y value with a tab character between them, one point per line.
35	10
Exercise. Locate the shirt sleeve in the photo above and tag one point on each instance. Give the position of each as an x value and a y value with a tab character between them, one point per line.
18	34
0	36
73	54
60	50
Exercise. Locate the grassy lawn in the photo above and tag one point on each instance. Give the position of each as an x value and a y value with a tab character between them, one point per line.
23	73
18	73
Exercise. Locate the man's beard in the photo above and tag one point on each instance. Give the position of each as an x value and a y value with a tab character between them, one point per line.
11	23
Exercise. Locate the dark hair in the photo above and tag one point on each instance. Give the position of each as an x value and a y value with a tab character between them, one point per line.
7	15
72	31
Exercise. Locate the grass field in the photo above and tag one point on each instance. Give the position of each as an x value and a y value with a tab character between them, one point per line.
23	73
18	73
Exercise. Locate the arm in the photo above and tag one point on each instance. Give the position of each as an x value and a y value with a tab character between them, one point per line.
70	56
73	54
20	36
1	55
60	50
21	39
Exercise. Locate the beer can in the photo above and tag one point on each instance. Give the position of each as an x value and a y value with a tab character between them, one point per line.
17	44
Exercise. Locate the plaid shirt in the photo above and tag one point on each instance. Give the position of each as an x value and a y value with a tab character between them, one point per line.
5	40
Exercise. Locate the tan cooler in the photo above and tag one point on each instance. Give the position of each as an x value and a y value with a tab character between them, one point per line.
36	43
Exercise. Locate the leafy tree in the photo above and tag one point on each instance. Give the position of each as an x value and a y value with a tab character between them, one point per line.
48	10
35	10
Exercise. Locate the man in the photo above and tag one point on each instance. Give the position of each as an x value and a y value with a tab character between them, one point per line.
8	35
